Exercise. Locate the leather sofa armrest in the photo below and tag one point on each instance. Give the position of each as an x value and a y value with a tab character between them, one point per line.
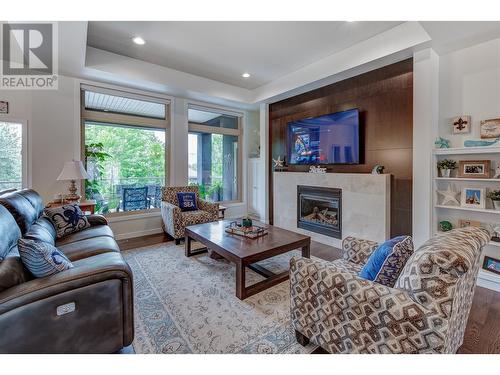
103	273
357	250
85	272
96	219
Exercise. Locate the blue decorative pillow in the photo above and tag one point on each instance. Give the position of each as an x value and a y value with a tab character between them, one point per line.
187	201
67	219
388	260
41	258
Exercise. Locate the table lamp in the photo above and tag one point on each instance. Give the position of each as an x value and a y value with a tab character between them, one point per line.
72	171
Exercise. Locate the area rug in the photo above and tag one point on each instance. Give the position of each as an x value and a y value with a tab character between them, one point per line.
188	305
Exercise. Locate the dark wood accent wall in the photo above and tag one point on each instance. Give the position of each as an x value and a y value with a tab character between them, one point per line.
385	101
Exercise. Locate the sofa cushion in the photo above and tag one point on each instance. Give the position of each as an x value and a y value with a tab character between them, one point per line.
431	273
25	211
88	247
9	233
41	258
95	231
187	201
34	198
67	219
387	261
12	271
42	230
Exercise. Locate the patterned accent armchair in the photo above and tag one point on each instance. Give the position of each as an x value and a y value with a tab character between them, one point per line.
425	312
174	220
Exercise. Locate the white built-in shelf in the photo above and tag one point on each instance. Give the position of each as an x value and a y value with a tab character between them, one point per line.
488	280
467	179
467	150
484	210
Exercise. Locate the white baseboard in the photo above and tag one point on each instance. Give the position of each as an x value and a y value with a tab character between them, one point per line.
140	233
488	280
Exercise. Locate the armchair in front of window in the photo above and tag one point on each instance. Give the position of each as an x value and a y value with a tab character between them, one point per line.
175	220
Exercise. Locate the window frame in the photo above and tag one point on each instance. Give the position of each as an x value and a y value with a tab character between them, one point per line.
25	151
112	118
207	129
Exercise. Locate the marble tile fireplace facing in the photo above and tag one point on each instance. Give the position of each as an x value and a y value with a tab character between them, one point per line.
365	205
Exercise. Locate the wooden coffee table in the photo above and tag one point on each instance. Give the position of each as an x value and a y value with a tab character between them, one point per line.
245	252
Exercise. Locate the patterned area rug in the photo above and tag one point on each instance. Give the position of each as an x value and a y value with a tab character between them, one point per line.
188	305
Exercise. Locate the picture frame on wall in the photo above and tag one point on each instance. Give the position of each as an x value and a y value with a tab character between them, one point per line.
472	197
490	128
474	168
491	264
463	223
4	107
461	124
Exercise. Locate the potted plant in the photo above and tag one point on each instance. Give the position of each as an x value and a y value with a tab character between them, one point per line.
445	166
246	221
494	195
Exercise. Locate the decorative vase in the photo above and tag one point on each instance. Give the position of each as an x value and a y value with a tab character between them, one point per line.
445	172
246	222
496	205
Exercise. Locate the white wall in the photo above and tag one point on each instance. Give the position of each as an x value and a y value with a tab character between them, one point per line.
425	117
469	81
469	84
53	119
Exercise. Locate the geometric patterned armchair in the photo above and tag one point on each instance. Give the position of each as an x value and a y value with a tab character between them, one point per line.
175	220
425	312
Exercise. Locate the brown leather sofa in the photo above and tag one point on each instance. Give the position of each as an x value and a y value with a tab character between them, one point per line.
86	309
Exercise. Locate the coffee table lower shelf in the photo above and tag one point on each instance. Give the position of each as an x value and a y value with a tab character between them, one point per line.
243	291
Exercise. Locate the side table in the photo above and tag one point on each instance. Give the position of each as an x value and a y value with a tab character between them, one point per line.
85	206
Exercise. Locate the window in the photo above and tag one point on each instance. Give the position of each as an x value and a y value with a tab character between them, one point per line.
214	154
124	141
13	160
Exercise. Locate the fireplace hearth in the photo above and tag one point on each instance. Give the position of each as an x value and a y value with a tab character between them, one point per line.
319	210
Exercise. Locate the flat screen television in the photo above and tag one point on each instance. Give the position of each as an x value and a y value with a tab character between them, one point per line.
328	139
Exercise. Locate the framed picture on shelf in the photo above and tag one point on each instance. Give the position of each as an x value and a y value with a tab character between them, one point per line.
473	198
490	128
461	125
463	223
491	264
474	168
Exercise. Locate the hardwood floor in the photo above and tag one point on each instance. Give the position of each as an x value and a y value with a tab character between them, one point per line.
482	335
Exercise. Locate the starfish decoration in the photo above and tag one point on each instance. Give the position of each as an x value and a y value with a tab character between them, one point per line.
279	163
450	196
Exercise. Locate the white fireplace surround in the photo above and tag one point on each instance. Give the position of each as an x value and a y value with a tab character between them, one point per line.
366	198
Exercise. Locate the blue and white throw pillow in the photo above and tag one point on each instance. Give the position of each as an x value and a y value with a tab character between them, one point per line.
387	261
41	258
67	219
187	201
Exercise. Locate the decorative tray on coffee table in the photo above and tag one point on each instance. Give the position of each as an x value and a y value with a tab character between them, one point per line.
250	232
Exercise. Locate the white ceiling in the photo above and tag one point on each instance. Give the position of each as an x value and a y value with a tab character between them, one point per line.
195	60
222	51
448	36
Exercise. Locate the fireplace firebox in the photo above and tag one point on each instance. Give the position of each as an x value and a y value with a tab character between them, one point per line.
319	210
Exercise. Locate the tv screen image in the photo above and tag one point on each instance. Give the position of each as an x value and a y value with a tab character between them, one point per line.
328	139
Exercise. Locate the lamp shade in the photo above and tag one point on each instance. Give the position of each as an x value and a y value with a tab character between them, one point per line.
73	170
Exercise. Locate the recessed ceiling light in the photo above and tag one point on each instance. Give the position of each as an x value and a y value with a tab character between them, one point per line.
138	40
246	75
